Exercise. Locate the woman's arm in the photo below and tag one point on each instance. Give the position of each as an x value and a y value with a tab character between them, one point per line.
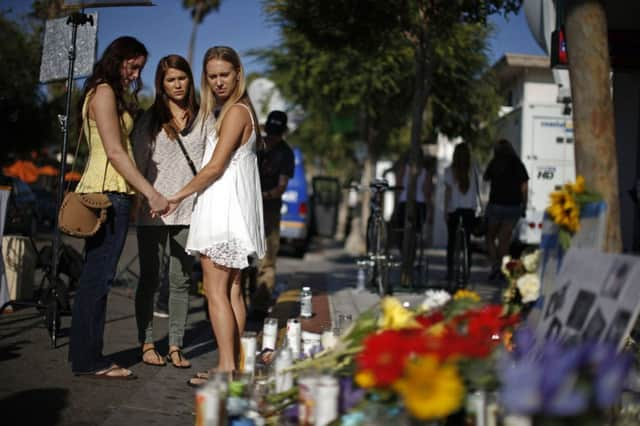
231	132
103	107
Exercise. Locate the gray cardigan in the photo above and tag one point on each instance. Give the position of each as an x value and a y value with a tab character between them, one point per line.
162	163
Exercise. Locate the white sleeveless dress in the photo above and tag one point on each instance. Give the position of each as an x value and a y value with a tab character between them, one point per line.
227	222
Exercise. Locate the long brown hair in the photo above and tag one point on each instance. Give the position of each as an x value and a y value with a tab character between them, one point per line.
161	117
461	165
108	70
208	100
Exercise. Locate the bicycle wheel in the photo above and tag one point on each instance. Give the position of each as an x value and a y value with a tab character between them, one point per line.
381	257
370	236
460	259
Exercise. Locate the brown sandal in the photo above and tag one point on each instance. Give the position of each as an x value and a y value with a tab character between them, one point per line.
157	357
181	358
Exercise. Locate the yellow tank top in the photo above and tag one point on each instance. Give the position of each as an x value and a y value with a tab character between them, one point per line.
98	176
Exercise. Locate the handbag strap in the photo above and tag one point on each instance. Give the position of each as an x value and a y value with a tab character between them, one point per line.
186	155
75	156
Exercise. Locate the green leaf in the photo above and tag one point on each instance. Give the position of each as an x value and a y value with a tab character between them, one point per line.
564	238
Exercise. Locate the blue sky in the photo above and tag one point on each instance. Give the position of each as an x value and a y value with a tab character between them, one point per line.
166	27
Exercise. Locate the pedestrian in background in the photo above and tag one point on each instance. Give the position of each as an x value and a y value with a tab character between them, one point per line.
107	119
460	200
423	191
226	223
507	201
166	148
276	165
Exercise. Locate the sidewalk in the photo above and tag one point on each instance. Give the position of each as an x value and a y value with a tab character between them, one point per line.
37	387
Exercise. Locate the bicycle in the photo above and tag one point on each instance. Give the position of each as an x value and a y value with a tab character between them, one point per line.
376	236
461	270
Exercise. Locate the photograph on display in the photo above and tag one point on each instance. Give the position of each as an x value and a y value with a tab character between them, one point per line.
556	301
618	326
595	326
616	279
580	310
554	330
595	298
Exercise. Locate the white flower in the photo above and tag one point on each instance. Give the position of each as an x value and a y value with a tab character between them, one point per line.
529	287
435	299
503	268
530	261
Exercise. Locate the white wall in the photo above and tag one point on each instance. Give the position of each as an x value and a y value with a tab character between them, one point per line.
626	102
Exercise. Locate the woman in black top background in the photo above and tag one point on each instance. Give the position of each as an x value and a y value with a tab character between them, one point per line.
507	200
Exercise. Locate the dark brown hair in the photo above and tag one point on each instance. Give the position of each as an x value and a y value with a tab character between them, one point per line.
108	70
161	117
461	165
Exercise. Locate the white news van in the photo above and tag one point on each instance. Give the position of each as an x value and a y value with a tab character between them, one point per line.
543	137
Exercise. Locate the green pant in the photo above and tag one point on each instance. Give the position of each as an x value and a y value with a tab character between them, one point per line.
266	279
158	245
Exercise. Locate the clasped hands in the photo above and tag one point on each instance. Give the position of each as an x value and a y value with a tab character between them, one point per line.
160	205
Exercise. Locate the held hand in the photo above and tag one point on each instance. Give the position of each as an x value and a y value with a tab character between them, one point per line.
172	207
174	202
158	204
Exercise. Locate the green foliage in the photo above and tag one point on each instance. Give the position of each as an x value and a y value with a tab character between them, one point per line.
22	112
370	87
200	8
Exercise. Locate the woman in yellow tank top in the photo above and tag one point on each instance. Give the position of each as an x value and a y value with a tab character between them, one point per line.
107	119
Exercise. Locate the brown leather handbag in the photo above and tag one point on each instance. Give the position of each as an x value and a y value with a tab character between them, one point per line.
82	215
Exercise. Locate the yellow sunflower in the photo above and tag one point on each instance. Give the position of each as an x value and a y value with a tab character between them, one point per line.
466	294
430	390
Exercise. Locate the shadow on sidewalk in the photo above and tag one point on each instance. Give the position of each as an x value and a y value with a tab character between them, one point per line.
33	407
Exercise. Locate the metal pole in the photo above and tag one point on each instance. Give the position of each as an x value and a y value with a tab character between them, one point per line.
595	142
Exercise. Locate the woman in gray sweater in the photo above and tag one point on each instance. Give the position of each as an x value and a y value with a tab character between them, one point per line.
166	152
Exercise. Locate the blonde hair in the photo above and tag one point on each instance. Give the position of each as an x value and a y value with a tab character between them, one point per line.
208	100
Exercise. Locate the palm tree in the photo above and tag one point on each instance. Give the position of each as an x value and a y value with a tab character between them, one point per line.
199	9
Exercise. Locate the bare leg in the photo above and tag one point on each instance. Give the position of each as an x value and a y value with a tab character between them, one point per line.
492	249
237	302
217	282
504	239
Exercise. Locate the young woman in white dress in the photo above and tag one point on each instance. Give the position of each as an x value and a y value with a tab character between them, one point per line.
226	224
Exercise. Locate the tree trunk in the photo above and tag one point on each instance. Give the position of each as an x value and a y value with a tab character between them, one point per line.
420	96
595	143
197	19
192	43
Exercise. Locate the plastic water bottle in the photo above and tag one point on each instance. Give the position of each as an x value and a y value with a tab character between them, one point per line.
306	310
362	278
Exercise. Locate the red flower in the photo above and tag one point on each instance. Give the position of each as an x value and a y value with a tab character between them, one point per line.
386	353
427	321
473	334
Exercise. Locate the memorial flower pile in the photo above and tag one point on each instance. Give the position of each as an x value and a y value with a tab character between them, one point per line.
422	359
565	207
523	282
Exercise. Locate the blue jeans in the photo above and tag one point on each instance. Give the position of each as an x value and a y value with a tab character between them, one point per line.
102	252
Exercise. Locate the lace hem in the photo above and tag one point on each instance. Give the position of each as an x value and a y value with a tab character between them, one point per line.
231	254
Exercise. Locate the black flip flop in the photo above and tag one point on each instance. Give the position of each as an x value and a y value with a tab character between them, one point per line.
158	356
180	359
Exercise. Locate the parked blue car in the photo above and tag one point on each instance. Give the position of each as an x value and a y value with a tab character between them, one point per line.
296	211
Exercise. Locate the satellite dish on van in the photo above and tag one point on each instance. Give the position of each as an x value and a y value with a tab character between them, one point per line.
541	17
266	97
